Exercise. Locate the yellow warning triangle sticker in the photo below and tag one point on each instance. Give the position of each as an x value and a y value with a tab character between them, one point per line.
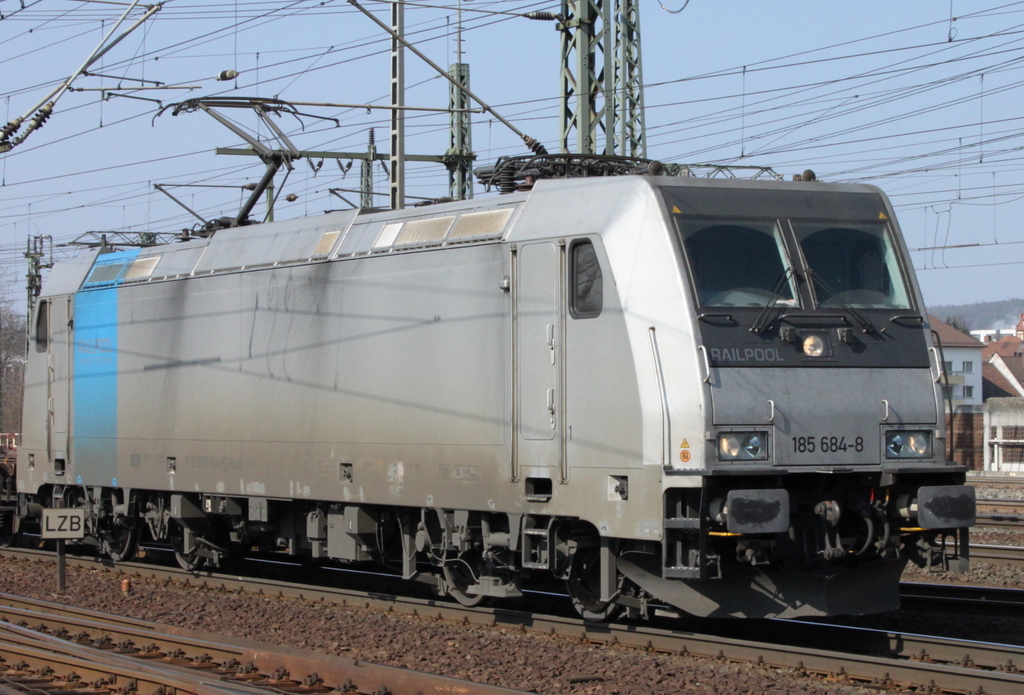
676	210
882	216
684	445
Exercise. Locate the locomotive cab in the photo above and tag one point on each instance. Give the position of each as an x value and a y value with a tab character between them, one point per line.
825	454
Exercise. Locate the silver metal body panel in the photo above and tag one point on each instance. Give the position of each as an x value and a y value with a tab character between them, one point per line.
285	242
658	314
792	403
67	276
446	374
264	381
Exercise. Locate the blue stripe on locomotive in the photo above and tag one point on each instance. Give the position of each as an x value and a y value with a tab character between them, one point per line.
95	366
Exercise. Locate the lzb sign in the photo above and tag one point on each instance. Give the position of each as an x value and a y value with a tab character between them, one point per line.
63	524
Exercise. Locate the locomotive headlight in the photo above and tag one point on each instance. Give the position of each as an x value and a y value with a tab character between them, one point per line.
814	346
743	446
908	445
753	446
728	446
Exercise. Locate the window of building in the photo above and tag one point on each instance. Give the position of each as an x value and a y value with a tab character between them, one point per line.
947	367
968	367
968	391
947	392
586	288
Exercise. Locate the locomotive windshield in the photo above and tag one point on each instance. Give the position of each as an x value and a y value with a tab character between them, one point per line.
853	265
763	247
737	263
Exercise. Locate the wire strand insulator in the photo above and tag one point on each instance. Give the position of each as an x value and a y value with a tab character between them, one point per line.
535	146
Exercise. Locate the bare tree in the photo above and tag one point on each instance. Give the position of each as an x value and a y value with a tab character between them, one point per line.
959	322
12	359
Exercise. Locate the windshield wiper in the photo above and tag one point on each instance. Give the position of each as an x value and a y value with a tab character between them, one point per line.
761	323
865	325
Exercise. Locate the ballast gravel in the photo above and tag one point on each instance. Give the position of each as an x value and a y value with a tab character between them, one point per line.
496	656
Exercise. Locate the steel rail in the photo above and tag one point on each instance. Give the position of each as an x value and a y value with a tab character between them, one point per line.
998	554
1000	513
975	599
982	479
36	658
1000	505
867	656
999	521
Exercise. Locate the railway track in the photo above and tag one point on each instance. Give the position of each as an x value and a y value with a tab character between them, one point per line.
975	600
47	646
1000	513
983	479
1001	506
1000	521
35	663
880	658
998	554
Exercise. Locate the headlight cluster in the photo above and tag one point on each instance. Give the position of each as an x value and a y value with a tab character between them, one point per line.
743	446
908	445
814	346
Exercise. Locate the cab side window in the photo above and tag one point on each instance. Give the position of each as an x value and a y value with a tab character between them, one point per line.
585	281
43	326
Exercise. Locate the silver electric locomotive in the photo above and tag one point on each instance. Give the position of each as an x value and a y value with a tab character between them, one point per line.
719	395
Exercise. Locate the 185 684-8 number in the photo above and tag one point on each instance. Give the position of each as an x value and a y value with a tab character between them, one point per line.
827	444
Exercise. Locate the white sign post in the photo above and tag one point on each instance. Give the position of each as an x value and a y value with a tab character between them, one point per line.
61	525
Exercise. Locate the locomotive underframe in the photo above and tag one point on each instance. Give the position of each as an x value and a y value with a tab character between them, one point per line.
846	540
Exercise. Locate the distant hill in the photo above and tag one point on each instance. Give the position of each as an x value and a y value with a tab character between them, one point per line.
981	315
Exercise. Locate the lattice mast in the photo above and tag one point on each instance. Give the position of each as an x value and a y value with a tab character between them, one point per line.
460	142
39	254
366	173
397	159
601	78
628	82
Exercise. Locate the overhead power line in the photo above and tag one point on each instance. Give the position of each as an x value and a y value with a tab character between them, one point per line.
44	109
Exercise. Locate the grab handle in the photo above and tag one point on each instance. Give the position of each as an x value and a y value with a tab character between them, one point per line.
707	363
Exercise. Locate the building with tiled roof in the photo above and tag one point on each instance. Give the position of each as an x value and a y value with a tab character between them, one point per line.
1007	346
1003	390
951	336
964	390
995	383
962	355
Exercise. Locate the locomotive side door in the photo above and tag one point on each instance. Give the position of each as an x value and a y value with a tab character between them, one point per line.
539	356
59	380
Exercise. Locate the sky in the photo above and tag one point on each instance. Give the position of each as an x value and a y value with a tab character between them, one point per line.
922	98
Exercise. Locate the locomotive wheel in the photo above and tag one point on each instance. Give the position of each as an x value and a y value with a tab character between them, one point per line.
190	561
584	586
120	539
458	576
8	536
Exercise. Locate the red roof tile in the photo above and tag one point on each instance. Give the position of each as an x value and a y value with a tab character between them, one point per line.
952	337
1007	346
994	384
1016	367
